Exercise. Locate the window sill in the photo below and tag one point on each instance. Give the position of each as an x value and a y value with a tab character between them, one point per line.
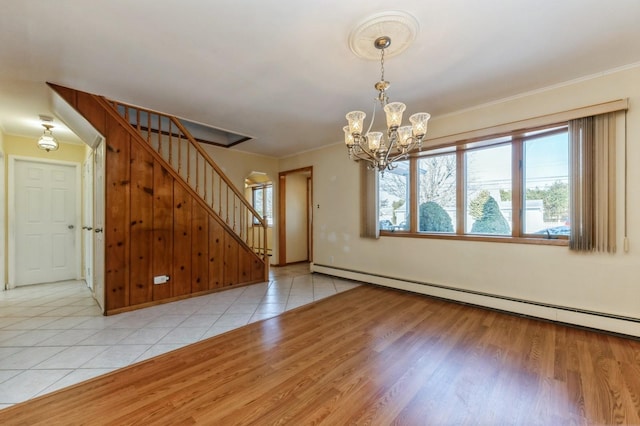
481	238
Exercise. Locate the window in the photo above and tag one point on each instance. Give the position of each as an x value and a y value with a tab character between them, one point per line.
511	186
263	202
488	186
394	198
437	193
546	185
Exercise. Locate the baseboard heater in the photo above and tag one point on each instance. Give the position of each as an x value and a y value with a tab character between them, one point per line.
625	325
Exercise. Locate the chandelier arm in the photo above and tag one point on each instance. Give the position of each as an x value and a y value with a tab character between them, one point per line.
373	117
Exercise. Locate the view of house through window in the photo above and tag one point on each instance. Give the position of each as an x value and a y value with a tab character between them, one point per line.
394	198
510	186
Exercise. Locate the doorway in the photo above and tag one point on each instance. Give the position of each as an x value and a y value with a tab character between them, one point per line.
295	218
43	215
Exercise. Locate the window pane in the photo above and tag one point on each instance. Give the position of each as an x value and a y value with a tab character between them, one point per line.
437	193
546	181
257	199
393	196
268	204
488	191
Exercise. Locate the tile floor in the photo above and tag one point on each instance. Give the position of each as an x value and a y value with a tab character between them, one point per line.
53	335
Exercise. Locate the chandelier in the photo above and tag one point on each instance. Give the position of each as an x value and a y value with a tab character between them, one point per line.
47	141
382	149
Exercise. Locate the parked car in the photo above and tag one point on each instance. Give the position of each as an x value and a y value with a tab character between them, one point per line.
386	225
555	231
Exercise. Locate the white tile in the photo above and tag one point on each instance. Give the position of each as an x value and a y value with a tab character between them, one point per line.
213	309
183	335
218	329
242	308
9	334
198	320
259	317
7	374
5	352
65	323
132	322
109	336
98	322
116	356
158	349
30	338
167	321
7	321
28	357
74	377
28	384
270	308
69	337
30	323
89	311
72	357
237	320
63	311
145	336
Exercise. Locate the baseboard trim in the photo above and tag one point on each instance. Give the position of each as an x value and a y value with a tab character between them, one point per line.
597	320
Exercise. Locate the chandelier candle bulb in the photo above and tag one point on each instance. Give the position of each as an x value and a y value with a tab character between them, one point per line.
373	138
356	119
419	122
404	136
348	137
394	112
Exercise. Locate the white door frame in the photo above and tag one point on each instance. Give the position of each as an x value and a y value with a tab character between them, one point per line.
87	219
12	212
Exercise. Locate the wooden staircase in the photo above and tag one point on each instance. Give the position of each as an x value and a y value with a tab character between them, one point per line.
170	210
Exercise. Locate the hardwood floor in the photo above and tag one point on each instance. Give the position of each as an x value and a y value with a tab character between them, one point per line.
368	356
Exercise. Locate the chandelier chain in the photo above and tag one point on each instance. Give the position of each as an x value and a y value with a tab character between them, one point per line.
382	65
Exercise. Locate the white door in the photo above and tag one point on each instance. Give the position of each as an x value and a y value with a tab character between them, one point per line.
98	224
45	222
87	219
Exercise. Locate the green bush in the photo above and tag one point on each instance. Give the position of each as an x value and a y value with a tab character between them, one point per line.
433	218
492	221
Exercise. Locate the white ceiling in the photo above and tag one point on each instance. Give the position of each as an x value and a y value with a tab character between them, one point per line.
282	72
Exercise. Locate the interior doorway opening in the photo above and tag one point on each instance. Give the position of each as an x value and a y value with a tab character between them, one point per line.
295	216
258	187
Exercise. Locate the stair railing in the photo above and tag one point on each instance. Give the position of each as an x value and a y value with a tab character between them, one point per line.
168	137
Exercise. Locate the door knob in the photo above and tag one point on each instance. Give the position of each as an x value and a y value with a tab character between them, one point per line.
70	226
98	230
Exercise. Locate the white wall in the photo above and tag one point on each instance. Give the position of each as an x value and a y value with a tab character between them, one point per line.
551	275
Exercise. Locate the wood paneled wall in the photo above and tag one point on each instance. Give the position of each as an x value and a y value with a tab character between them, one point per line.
155	224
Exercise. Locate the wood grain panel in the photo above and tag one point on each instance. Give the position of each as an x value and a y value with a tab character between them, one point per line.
141	229
181	241
370	355
162	230
231	260
244	265
199	248
92	111
116	230
257	269
216	254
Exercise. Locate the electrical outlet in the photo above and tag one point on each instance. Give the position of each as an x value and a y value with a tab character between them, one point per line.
160	279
